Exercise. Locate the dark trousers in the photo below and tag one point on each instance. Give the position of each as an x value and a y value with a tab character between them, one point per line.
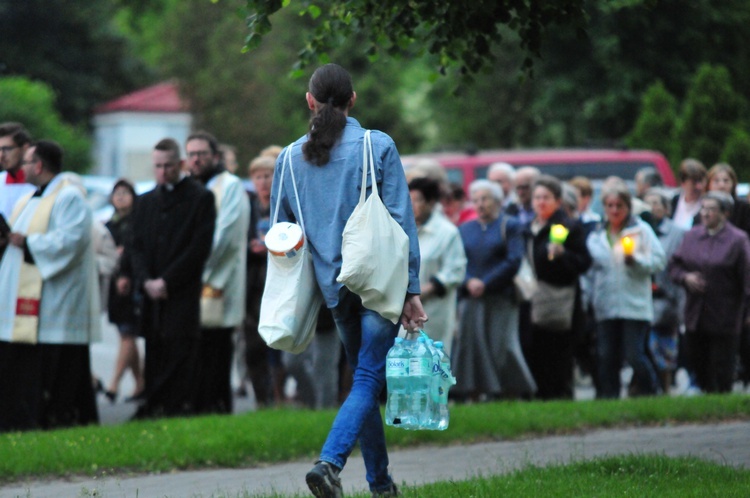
621	341
550	358
170	374
45	386
214	390
713	358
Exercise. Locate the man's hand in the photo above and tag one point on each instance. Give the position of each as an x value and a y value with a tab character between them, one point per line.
475	287
156	289
123	286
17	239
413	315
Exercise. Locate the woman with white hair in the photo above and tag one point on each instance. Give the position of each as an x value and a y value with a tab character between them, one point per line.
488	359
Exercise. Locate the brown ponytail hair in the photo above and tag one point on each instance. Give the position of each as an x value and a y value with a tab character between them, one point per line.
331	86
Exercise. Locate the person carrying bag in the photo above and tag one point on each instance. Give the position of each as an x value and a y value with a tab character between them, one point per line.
327	167
375	249
291	297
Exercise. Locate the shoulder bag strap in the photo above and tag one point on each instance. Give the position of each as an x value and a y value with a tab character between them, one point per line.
288	160
367	164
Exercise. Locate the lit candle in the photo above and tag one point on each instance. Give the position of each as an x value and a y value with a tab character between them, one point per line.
558	234
628	245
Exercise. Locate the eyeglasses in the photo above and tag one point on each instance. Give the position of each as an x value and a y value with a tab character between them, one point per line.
199	153
5	149
30	161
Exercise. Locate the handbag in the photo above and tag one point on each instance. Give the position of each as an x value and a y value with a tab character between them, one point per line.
212	307
524	280
291	296
552	305
375	250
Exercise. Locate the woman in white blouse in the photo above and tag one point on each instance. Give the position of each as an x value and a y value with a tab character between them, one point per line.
443	265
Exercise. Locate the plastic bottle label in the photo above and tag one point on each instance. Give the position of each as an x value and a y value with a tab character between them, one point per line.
396	367
419	367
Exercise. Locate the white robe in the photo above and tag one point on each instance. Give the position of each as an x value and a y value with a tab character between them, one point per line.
10	193
225	268
443	257
69	308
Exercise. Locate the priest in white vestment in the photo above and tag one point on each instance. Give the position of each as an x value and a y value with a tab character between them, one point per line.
49	302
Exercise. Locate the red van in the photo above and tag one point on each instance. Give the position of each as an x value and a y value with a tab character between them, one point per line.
595	164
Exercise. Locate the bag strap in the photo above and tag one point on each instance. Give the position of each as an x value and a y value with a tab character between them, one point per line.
288	160
367	163
504	231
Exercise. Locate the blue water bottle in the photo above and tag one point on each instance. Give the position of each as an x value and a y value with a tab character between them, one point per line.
446	381
420	377
396	377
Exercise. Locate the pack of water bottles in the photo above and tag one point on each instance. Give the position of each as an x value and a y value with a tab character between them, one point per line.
418	375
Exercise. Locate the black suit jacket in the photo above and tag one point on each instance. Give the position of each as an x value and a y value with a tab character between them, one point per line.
172	237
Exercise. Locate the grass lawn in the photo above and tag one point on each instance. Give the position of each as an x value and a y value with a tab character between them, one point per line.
277	435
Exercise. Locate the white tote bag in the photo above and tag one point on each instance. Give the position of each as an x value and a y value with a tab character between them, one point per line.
375	250
291	297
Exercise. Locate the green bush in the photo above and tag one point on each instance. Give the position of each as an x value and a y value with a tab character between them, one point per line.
33	104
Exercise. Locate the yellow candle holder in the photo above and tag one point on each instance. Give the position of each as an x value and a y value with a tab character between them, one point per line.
628	245
558	234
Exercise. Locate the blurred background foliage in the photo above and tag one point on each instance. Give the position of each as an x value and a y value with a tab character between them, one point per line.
667	75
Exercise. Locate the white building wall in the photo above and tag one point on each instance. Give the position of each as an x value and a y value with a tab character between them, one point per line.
123	141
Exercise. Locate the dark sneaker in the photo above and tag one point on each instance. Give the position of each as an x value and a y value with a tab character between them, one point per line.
323	480
392	491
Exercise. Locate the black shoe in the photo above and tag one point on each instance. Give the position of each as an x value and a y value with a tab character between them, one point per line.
111	396
98	386
324	482
392	491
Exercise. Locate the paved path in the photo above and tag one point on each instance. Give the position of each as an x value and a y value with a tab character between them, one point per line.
727	443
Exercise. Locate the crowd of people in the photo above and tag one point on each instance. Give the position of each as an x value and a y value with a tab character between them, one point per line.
523	283
182	266
659	281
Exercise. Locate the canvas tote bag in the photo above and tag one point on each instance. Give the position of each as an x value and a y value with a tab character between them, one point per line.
552	306
291	297
375	250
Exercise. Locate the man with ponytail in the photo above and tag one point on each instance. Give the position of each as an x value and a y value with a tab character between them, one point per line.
327	166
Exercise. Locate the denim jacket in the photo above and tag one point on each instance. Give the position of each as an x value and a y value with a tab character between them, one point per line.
328	194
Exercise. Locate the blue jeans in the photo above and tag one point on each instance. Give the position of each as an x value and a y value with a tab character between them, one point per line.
619	340
367	337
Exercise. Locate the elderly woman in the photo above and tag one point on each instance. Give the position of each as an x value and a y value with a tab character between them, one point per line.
722	177
713	265
558	261
443	264
668	297
488	359
626	253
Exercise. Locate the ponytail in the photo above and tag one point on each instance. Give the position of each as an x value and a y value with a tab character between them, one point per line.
331	86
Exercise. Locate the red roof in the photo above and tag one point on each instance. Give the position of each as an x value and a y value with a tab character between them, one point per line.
163	97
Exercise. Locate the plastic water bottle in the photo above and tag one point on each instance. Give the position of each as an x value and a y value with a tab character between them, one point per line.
446	381
396	377
435	383
419	380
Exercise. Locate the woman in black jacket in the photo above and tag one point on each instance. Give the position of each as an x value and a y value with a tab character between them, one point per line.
121	306
558	261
